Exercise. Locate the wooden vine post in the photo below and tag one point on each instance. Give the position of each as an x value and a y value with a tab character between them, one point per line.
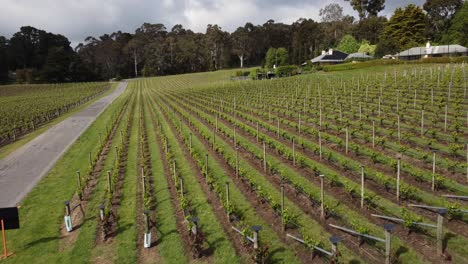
373	134
347	139
299	124
143	183
433	170
109	181
206	165
79	181
278	128
398	178
445	118
90	160
257	132
399	130
422	122
282	207
320	144
190	143
237	162
227	198
264	158
362	186
322	206
181	180
294	151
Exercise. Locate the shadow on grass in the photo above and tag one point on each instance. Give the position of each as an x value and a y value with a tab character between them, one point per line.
41	240
270	258
162	236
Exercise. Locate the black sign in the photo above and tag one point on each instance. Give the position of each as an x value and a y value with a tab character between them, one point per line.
10	217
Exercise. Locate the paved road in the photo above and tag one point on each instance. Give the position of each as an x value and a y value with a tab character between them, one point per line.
21	170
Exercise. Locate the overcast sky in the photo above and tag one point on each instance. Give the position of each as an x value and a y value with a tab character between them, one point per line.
77	19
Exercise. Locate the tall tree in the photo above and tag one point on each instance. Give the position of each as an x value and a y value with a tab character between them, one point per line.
348	44
366	8
440	12
331	13
458	31
306	36
241	44
407	26
3	59
216	41
369	28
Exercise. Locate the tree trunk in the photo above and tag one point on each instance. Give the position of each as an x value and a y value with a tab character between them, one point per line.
241	58
135	62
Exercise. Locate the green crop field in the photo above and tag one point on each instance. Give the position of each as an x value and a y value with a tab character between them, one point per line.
23	108
197	160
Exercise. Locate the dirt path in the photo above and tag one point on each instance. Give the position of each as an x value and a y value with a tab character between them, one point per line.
21	170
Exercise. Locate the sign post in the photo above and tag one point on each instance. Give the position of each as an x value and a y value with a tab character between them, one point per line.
9	220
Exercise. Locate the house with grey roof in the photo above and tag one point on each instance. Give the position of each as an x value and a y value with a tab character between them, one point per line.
359	56
336	56
330	57
429	51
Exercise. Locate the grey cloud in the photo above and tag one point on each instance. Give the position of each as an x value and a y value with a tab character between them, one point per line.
79	19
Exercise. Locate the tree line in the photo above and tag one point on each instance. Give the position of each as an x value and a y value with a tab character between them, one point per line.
34	55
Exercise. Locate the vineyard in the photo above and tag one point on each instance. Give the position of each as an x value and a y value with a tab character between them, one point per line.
354	167
26	107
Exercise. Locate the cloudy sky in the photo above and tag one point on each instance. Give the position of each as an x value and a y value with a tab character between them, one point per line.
78	19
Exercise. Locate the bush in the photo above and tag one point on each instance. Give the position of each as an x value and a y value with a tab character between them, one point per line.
253	74
288	70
